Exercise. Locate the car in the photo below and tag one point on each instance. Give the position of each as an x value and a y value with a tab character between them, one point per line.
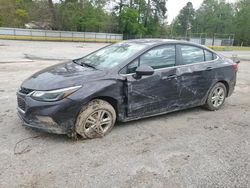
124	81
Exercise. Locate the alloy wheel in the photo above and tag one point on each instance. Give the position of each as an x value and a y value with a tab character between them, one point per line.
218	97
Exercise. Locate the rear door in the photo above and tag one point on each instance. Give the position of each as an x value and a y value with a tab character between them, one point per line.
156	93
195	74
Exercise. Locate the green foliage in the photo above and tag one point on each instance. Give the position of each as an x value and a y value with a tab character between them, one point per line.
130	17
214	17
21	16
76	16
13	13
242	24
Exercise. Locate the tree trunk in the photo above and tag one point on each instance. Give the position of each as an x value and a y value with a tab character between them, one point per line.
147	14
120	15
53	14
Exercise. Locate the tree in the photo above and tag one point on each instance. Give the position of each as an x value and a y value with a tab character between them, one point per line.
242	25
214	17
13	13
130	23
53	14
183	22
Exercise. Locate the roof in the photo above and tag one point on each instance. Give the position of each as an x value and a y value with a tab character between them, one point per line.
150	41
153	42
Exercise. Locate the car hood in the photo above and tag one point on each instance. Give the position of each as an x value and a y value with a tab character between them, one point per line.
61	75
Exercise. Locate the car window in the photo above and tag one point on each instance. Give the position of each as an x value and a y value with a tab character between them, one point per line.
132	66
111	56
208	55
191	54
159	57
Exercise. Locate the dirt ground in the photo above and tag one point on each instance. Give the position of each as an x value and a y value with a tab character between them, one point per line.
191	148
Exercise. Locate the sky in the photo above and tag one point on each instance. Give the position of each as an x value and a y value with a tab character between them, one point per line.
174	7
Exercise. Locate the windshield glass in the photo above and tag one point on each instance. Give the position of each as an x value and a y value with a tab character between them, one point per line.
111	56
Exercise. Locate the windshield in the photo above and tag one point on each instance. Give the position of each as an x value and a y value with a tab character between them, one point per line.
110	56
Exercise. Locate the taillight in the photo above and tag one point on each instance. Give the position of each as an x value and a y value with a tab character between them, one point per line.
235	65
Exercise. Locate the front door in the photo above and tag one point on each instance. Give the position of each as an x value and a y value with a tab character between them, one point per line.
157	93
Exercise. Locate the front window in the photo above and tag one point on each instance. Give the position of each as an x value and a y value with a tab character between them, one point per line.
111	56
158	57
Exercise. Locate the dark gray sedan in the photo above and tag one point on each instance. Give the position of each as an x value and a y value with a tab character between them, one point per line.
122	82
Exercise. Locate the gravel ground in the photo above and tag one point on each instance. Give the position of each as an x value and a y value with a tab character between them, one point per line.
190	148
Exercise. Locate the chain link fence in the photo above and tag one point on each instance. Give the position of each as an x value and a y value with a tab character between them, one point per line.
219	40
223	40
48	35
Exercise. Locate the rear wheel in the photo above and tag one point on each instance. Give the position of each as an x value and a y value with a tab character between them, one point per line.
216	97
96	119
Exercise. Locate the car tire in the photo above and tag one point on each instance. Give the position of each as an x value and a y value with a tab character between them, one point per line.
96	119
216	97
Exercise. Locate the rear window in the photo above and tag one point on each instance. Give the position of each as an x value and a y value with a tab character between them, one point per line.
208	55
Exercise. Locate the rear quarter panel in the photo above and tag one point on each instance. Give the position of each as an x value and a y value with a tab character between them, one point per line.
224	72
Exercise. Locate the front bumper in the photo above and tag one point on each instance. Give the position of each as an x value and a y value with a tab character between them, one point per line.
53	117
41	126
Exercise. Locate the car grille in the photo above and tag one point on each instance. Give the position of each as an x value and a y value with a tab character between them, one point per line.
21	103
25	90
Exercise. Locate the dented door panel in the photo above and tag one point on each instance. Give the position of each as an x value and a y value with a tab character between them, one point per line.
152	94
194	81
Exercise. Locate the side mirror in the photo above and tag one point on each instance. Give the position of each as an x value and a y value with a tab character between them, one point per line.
144	70
235	59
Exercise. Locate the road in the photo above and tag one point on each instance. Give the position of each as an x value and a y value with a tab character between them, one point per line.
190	148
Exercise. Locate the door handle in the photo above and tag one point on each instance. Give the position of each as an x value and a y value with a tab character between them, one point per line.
170	77
209	68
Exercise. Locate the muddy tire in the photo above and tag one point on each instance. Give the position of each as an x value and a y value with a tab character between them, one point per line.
216	97
96	119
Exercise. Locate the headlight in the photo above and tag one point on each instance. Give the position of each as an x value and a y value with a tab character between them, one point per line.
53	95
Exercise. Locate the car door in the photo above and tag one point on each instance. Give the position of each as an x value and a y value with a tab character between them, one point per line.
156	93
194	74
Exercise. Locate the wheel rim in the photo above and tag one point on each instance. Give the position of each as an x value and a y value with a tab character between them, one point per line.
218	97
98	123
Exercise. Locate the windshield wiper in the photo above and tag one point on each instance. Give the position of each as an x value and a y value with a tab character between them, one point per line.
82	63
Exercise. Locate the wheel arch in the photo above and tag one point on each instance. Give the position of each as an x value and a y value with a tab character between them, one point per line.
112	101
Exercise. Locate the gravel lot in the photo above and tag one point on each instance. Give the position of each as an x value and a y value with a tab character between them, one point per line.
191	148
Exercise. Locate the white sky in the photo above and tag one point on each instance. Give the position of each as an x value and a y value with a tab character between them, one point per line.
174	7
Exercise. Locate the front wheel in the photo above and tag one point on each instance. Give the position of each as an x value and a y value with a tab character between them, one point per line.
216	97
96	119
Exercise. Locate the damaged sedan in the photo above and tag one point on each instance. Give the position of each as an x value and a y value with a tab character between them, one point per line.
124	81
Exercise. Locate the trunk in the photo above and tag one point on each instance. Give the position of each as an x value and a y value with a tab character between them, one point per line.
147	14
53	14
120	14
81	3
